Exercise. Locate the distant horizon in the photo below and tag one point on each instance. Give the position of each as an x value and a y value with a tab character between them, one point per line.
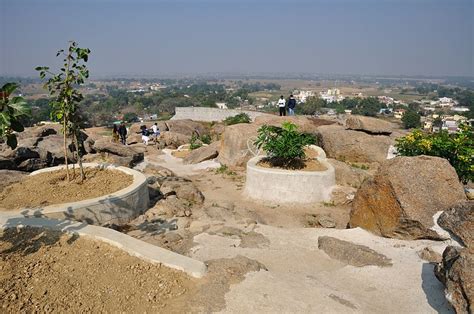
145	38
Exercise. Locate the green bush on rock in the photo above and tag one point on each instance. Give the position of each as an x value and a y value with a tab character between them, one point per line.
457	148
284	145
240	118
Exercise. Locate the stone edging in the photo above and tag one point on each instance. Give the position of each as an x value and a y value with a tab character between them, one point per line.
132	246
117	207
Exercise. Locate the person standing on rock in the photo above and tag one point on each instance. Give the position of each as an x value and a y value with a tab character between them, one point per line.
122	131
282	106
115	134
291	106
156	131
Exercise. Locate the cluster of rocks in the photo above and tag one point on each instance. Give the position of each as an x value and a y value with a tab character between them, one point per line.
38	147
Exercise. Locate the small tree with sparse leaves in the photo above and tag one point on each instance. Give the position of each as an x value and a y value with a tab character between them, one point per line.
62	87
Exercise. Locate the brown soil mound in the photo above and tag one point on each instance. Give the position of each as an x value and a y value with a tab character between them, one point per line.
311	153
181	153
52	188
44	271
305	165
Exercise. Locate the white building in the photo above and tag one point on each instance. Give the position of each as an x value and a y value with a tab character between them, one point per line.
302	95
460	109
221	105
332	95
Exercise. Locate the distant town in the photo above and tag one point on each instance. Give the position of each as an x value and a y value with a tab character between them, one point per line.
441	104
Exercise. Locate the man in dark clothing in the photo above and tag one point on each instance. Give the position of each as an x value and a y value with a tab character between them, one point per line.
291	106
122	130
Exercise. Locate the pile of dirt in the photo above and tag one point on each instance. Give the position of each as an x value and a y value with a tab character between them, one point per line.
53	188
43	271
181	153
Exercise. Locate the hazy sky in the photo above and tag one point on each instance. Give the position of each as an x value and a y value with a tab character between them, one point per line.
145	37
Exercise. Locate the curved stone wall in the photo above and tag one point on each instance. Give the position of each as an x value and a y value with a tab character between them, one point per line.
118	207
289	186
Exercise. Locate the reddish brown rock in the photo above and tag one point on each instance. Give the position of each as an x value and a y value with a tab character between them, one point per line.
404	195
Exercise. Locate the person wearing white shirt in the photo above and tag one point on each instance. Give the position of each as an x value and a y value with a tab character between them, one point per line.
282	106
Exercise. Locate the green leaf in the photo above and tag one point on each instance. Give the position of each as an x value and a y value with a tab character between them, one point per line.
9	88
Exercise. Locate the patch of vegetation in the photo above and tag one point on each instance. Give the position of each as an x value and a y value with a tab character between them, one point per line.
457	148
411	119
362	166
223	169
329	204
284	145
240	118
206	139
194	143
12	110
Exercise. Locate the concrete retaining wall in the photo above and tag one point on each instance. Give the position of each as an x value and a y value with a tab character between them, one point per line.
289	186
118	207
211	114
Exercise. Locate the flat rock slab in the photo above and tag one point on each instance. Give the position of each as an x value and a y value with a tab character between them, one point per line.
352	254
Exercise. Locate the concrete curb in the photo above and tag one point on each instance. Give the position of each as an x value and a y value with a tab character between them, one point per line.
118	207
132	246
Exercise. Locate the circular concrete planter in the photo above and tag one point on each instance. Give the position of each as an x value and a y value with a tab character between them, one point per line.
118	207
289	186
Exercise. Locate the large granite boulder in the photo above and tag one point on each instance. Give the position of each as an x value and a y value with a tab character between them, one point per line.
38	147
234	150
202	153
459	220
40	131
173	139
182	188
51	149
106	146
404	195
353	146
456	272
369	125
347	175
186	127
305	124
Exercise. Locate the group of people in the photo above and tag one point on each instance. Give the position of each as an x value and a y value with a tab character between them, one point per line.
119	132
147	133
283	105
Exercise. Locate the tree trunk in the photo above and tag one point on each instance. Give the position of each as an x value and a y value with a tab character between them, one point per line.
79	157
65	149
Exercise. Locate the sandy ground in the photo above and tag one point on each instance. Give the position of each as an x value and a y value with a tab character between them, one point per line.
53	188
44	271
297	276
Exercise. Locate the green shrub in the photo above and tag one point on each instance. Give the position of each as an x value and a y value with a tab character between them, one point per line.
457	148
411	119
206	139
240	118
285	145
194	143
